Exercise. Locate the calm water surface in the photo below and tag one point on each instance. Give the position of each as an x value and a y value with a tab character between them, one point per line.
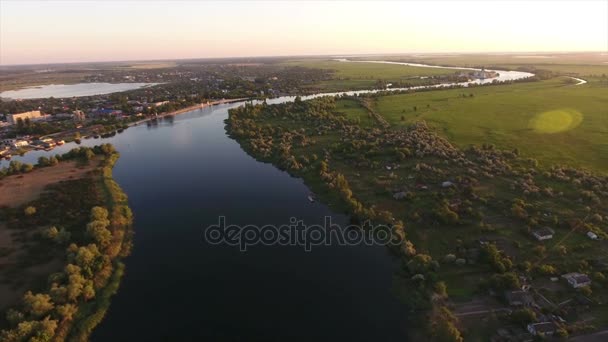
71	90
180	176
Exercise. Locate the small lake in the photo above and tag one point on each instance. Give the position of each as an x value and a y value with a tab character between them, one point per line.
71	90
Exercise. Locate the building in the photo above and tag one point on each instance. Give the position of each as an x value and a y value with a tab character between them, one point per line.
577	280
106	113
32	115
78	115
592	235
519	298
544	233
15	143
542	329
156	104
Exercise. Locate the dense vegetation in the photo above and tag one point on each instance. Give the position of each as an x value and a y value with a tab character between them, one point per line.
444	200
86	224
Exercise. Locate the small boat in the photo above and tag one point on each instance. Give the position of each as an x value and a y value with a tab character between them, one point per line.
60	142
311	198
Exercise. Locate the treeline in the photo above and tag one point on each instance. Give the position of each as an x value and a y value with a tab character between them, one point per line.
76	298
273	142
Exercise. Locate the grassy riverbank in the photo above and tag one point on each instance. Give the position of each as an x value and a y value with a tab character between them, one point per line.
358	76
553	121
467	215
84	226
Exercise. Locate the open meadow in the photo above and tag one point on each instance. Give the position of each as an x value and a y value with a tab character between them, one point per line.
354	76
552	121
576	64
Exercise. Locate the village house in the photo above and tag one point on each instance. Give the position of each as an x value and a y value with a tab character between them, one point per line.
519	298
15	143
99	113
78	115
32	115
544	233
577	280
542	329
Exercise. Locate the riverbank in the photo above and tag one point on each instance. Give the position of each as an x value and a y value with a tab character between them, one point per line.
188	109
83	225
466	216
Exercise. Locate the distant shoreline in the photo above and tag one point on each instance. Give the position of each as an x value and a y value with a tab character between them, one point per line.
188	109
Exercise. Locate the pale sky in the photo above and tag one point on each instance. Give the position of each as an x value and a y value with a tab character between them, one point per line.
77	31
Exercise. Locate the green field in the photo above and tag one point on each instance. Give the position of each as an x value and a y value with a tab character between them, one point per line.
365	75
550	121
580	64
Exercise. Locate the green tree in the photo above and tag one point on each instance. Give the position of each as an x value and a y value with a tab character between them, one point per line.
523	316
67	311
37	304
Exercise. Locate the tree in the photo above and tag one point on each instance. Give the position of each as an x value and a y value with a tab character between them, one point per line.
421	263
32	331
67	311
14	317
99	233
29	211
88	290
75	286
37	304
443	327
43	161
441	290
25	168
50	232
88	155
523	316
99	214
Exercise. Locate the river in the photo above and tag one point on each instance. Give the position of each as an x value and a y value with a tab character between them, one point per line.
71	90
181	175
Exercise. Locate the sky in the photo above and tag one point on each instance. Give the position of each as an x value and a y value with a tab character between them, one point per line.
78	31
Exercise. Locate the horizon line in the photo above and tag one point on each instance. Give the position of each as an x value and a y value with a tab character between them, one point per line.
310	55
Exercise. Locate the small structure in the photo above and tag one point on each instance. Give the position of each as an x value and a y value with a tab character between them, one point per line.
421	186
103	112
577	280
544	233
447	184
32	115
15	143
400	195
519	298
78	115
592	235
542	329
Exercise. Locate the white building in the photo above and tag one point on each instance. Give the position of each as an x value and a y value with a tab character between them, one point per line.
544	233
542	329
577	280
15	143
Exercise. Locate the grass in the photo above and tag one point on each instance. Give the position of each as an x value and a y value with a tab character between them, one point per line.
549	120
354	76
581	64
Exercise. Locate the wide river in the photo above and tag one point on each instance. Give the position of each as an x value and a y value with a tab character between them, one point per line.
181	175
